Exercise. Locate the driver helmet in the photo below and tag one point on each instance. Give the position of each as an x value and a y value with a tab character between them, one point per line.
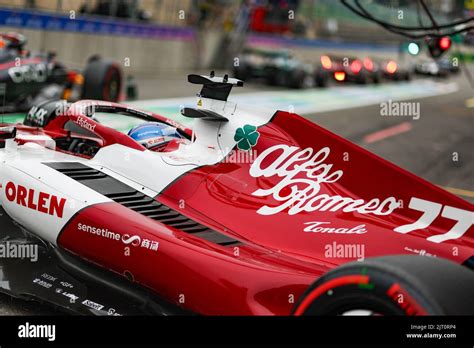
154	134
13	40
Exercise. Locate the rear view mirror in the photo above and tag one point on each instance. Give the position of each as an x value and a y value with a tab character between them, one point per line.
7	133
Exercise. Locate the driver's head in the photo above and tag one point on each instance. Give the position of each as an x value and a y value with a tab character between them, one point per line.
13	40
153	134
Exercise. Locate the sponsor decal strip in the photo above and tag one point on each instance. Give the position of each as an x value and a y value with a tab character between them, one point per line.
320	227
40	201
431	211
299	194
126	239
303	194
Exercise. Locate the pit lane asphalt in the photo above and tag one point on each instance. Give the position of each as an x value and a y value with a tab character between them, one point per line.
445	128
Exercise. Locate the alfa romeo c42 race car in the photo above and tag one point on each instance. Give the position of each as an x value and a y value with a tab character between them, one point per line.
29	78
249	213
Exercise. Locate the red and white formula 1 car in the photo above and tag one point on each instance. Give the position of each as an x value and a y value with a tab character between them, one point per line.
250	213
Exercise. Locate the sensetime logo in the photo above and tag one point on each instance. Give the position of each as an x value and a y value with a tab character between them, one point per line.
101	232
126	239
30	198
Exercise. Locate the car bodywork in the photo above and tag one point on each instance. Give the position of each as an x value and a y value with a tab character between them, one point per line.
240	221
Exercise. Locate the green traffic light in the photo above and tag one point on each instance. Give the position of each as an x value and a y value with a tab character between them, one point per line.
413	48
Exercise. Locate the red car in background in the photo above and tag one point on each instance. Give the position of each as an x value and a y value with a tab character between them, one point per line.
348	69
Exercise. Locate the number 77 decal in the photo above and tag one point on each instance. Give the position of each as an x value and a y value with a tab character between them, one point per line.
431	211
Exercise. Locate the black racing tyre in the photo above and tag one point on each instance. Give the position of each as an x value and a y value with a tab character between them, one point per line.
321	79
392	285
300	79
377	77
361	79
270	79
102	80
276	77
42	114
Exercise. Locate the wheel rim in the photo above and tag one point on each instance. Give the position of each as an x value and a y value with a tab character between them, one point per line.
307	81
112	86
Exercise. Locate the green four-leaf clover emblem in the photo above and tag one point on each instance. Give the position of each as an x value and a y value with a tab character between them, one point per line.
246	137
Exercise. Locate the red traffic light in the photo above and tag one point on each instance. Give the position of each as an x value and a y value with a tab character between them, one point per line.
444	43
437	46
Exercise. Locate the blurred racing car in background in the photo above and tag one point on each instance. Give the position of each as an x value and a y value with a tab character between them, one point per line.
442	67
275	67
28	78
449	64
252	63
